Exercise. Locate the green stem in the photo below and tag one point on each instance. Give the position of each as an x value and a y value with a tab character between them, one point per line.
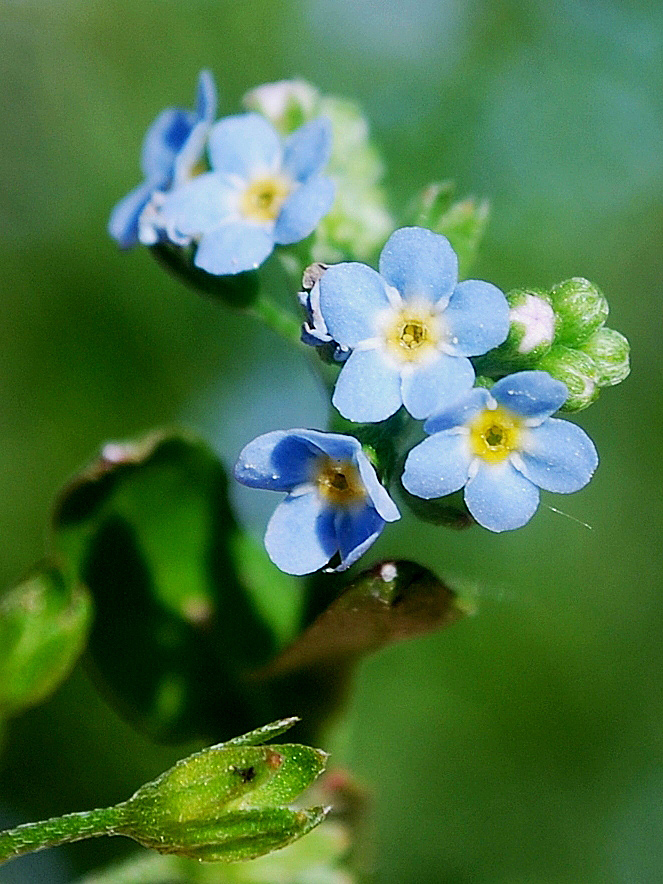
283	323
59	830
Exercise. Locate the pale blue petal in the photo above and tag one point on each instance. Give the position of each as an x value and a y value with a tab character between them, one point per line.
500	498
334	445
559	456
532	394
300	536
199	205
303	209
233	248
277	461
163	141
351	296
420	264
190	154
123	222
477	318
438	465
459	412
356	530
244	145
438	383
368	387
307	150
206	97
376	491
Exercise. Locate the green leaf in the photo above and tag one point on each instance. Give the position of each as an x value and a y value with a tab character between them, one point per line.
149	529
44	623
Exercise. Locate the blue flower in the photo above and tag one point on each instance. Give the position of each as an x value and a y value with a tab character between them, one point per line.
173	145
262	191
335	503
502	446
314	329
410	327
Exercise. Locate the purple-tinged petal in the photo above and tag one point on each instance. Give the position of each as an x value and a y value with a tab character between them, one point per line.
368	387
307	150
199	205
420	264
356	530
233	248
459	412
123	222
277	461
300	536
378	494
437	466
531	394
431	386
246	145
351	297
303	209
558	456
477	318
163	141
500	498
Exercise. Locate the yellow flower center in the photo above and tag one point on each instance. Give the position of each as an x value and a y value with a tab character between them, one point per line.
495	434
339	482
412	334
264	197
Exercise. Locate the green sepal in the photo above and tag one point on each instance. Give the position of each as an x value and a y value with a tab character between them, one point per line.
581	310
577	370
149	529
450	511
240	290
463	222
609	350
44	624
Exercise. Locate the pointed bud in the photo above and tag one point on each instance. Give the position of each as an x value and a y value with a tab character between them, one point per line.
581	310
577	371
610	351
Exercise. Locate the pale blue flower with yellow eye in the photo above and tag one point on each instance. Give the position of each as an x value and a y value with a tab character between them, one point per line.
173	145
335	503
502	446
263	190
411	327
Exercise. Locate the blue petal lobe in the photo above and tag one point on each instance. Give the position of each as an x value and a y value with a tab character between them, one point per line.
477	317
532	394
420	264
301	536
246	145
233	248
356	530
558	456
123	222
303	209
431	386
277	461
206	96
351	296
199	205
378	494
334	445
368	387
438	465
163	141
459	412
307	150
500	498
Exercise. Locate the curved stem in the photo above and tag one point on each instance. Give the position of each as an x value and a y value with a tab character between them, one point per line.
283	323
58	830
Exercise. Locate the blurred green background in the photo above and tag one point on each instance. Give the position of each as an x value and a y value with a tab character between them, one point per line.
524	744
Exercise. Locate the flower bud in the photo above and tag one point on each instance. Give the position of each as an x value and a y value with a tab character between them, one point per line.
610	352
228	802
581	310
577	371
286	104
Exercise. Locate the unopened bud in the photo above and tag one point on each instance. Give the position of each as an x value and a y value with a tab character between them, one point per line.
577	371
286	104
581	310
610	351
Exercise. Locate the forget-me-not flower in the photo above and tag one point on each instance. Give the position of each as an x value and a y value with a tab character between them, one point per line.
262	191
314	330
173	145
502	446
335	502
411	327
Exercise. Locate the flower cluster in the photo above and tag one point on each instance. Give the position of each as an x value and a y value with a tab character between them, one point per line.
261	190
